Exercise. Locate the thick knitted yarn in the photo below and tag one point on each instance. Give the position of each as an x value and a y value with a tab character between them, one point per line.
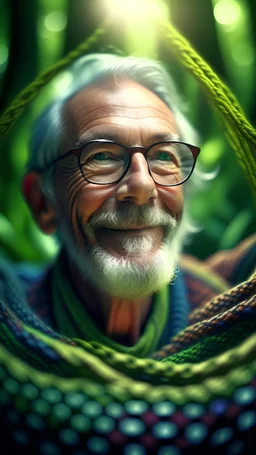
71	395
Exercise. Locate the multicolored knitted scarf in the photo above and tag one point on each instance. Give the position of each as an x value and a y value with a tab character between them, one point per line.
196	396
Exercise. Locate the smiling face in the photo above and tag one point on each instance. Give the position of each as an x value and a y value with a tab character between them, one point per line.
124	235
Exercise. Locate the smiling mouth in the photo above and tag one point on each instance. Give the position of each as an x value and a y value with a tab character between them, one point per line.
115	240
131	230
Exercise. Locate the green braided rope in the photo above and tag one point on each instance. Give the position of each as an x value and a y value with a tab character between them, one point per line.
16	108
204	73
241	134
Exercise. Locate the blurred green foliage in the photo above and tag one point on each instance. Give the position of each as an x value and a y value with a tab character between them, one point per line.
222	31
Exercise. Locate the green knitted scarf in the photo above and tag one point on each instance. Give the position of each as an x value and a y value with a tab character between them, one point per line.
74	321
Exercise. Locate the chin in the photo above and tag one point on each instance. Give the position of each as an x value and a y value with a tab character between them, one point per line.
127	276
135	274
128	259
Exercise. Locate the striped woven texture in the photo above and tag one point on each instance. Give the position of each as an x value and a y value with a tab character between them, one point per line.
61	395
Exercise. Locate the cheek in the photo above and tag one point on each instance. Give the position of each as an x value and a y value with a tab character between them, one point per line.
79	200
172	198
76	197
91	198
88	201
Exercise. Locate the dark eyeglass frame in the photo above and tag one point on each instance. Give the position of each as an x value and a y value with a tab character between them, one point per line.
77	151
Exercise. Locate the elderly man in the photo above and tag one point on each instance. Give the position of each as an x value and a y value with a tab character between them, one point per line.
108	174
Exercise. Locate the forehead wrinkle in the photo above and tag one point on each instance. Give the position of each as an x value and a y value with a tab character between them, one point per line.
116	136
117	131
108	102
110	108
113	127
82	114
117	121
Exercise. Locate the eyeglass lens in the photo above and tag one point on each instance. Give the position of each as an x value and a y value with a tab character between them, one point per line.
106	162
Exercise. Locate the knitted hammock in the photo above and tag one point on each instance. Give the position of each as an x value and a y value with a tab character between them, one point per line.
61	395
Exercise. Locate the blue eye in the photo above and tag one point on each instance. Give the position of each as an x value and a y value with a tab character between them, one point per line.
164	156
101	156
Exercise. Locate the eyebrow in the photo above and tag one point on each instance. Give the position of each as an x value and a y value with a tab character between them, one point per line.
111	136
165	137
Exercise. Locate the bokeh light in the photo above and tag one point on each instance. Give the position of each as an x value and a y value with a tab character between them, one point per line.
138	18
134	9
227	12
55	21
243	54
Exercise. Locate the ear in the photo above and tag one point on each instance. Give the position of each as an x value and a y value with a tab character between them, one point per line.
42	210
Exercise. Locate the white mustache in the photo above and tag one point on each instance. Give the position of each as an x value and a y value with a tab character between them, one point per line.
132	216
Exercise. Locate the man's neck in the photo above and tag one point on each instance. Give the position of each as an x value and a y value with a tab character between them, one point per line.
121	319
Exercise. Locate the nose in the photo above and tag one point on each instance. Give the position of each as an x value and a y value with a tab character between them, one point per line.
137	185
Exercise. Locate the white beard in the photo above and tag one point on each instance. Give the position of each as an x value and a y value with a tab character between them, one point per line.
126	277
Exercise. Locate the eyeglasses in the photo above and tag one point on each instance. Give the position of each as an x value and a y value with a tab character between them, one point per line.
103	162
